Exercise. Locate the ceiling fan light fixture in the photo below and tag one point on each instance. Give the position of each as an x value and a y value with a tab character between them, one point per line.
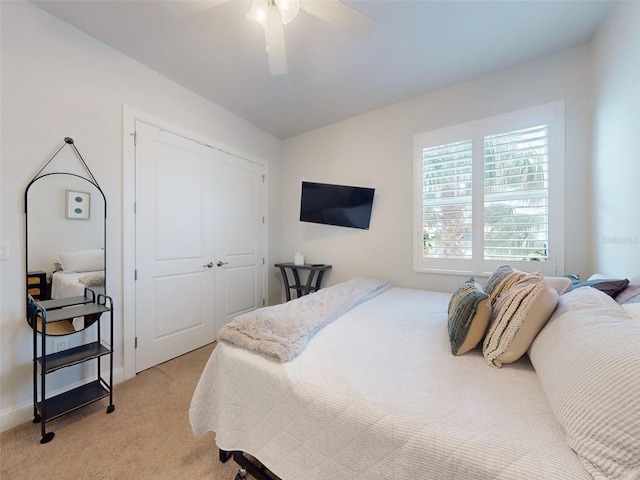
288	9
259	12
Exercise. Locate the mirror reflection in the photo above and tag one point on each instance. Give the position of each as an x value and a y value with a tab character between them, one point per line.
65	241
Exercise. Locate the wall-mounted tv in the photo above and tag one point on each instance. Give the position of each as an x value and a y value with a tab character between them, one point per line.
340	205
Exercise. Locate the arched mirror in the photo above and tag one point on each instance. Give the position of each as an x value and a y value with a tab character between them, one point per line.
65	239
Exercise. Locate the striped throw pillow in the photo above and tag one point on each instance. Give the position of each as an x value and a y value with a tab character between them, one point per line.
468	317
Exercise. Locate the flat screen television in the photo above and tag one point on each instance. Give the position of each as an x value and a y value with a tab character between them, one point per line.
340	205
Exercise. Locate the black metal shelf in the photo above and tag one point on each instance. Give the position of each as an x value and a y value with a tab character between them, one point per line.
91	308
72	400
73	356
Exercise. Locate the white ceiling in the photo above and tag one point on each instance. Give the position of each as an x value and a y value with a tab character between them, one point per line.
417	46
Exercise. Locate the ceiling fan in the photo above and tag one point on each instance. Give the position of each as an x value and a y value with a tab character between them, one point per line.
273	15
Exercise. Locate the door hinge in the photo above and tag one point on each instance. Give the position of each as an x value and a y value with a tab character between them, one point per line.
263	261
264	302
136	343
135	207
135	274
135	138
263	220
263	177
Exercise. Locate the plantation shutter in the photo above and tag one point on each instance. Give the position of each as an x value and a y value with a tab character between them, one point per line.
447	201
516	200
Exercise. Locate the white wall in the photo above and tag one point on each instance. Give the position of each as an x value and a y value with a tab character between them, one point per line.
376	150
616	153
58	82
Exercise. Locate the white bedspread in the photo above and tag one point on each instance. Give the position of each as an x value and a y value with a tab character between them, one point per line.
377	395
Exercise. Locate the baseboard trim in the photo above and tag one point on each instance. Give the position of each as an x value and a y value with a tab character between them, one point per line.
19	414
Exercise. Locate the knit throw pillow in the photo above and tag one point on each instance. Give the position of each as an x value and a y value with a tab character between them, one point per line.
519	314
468	317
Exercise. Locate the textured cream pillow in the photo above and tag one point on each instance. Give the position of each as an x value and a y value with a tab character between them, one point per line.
517	317
587	358
560	284
468	317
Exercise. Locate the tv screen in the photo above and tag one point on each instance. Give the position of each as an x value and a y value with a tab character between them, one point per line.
336	205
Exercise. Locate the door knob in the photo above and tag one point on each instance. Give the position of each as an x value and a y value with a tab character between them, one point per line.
208	265
221	263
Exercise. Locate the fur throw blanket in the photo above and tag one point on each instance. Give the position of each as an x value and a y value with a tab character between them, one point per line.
283	331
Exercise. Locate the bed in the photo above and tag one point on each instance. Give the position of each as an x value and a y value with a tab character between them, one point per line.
76	271
65	285
377	394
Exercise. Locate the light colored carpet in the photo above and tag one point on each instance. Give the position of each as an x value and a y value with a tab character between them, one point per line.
148	436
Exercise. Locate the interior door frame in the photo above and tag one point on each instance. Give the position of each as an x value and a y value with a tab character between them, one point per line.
130	116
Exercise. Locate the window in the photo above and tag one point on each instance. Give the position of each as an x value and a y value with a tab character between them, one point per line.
491	192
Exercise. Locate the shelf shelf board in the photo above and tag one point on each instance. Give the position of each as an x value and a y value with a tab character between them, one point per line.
64	302
73	356
303	287
75	311
72	400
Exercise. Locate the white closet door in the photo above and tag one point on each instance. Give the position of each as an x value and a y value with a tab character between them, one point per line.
239	238
175	212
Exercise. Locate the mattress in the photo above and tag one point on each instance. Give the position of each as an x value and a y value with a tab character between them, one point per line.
377	394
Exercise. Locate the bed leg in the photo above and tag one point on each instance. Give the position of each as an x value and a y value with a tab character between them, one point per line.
252	467
223	455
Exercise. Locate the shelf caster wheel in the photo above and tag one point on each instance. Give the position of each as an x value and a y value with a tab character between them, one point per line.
242	473
37	419
111	408
47	437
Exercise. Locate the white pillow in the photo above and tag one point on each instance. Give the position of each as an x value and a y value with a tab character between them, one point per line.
599	276
588	360
633	309
82	261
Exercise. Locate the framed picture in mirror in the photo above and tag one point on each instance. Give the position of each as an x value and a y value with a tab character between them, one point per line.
78	205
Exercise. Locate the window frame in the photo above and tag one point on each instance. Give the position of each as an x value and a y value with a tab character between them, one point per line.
551	114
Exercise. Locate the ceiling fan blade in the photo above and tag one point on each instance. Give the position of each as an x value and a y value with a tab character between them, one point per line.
186	8
275	42
341	15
